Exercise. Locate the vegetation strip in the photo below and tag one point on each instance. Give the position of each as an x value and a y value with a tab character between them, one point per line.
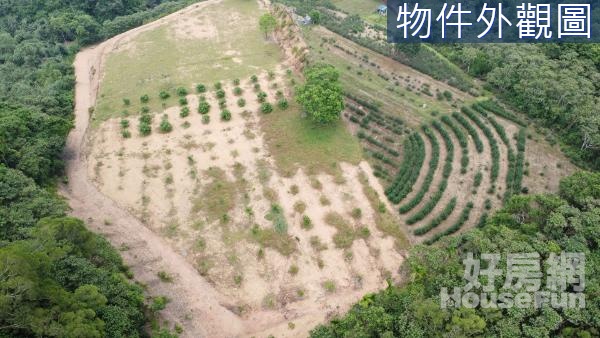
464	217
433	163
470	129
411	166
462	140
433	201
441	217
491	140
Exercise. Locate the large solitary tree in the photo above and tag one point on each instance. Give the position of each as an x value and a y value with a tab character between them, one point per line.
321	96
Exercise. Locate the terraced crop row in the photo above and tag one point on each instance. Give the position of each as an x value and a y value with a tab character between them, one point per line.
433	163
495	170
495	108
441	217
437	196
462	140
470	129
409	171
463	218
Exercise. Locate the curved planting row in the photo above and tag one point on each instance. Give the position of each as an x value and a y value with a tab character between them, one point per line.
495	108
462	140
414	156
433	163
470	129
491	140
442	216
514	175
433	201
464	217
521	140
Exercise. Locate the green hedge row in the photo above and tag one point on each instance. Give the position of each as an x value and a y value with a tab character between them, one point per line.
443	215
491	140
433	201
462	140
470	129
494	107
518	180
433	162
464	217
362	135
512	159
409	171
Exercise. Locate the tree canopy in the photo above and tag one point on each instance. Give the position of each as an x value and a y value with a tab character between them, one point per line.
539	223
267	23
322	95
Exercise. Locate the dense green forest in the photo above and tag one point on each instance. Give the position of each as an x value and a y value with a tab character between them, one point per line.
568	222
57	279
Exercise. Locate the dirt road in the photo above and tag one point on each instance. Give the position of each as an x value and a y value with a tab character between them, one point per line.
193	302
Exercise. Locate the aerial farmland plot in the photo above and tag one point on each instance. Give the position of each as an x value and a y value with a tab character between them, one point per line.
277	168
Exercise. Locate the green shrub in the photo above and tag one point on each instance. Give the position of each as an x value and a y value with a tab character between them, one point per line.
266	108
464	217
145	98
222	103
283	104
254	78
306	223
441	217
433	162
205	119
185	111
414	156
165	125
203	107
257	87
218	86
236	82
124	123
491	140
159	303
471	130
262	96
220	93
125	133
164	95
145	110
183	101
181	91
237	91
200	88
225	115
126	102
241	103
145	129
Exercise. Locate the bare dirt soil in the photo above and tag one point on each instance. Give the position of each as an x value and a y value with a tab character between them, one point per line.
200	204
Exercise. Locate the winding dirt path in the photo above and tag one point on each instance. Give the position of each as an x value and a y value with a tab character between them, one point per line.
194	304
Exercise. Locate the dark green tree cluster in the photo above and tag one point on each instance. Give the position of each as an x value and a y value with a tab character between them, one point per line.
567	222
321	96
57	279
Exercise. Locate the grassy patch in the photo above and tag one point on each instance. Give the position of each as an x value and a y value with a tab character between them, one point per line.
162	60
384	221
346	233
271	238
296	142
218	197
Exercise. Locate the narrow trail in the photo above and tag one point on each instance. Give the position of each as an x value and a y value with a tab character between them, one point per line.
194	303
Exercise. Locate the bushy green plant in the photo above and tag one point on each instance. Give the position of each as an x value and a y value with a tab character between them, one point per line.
203	107
254	78
164	95
181	91
200	88
441	217
185	111
241	103
220	93
183	101
283	104
266	108
414	152
236	82
237	91
225	115
125	133
165	125
124	123
144	98
218	86
262	96
145	110
205	119
126	102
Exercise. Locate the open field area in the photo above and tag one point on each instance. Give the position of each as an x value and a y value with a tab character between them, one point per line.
202	47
